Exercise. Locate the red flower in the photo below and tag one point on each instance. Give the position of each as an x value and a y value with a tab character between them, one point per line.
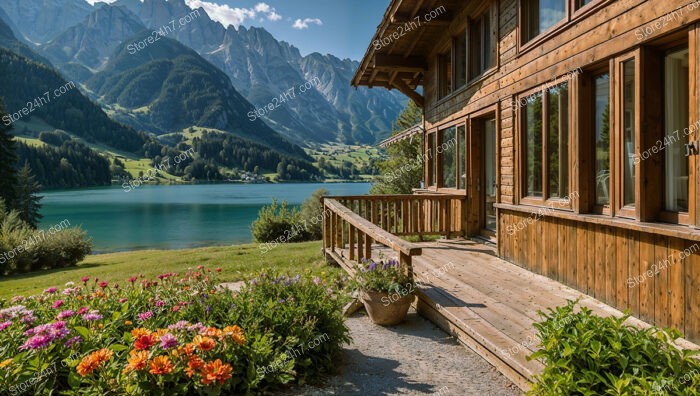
144	342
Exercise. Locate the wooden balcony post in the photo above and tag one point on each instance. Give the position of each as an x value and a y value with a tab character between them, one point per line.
448	217
360	245
406	263
351	241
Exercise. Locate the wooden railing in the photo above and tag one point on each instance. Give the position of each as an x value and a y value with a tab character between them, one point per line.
351	224
410	215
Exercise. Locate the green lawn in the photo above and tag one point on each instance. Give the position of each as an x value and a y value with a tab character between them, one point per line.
237	263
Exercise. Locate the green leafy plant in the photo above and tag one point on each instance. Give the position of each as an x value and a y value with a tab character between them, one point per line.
279	223
387	277
585	354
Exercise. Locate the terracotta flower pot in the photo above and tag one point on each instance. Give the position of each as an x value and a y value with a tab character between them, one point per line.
386	309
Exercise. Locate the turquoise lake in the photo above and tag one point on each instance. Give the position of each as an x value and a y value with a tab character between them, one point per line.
173	217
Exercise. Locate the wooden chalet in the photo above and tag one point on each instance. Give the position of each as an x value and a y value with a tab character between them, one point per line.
561	161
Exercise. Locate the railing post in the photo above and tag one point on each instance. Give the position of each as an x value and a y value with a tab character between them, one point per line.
360	245
406	262
448	217
351	241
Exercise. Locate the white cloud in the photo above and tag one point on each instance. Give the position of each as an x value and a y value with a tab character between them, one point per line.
227	15
304	24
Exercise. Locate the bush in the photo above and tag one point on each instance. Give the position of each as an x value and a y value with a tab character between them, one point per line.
312	214
278	223
178	335
23	249
586	354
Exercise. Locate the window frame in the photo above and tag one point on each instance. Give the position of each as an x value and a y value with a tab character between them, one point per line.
460	139
492	12
572	15
590	114
545	200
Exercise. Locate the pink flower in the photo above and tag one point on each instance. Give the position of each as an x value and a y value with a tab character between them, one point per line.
103	284
85	279
51	290
132	279
65	314
160	303
317	280
168	341
5	325
145	316
92	316
57	304
176	308
83	310
122	300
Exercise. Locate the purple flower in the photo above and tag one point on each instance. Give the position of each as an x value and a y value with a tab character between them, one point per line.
5	325
181	325
372	266
297	278
73	341
198	328
145	316
92	316
168	341
14	312
43	335
51	290
65	314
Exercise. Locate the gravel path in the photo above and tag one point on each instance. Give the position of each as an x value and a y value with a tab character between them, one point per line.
414	358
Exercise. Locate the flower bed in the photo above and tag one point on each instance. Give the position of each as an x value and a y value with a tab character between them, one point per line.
179	333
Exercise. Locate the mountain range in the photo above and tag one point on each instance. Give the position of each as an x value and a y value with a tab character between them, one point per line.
95	46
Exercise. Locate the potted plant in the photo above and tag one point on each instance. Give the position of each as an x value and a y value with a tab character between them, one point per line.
385	290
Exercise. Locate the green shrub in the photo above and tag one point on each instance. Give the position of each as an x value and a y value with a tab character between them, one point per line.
312	214
23	249
585	354
278	223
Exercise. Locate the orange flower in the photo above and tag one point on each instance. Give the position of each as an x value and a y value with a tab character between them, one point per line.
127	323
216	371
204	343
212	332
145	342
236	333
137	333
137	361
194	364
5	363
161	332
93	361
161	365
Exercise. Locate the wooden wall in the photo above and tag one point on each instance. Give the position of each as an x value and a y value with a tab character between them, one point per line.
611	264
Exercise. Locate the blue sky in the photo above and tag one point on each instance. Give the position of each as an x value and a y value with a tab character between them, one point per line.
343	28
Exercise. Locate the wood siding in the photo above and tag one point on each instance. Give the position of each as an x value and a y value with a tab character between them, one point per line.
656	277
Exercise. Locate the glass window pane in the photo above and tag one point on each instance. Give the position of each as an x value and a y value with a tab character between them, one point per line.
581	3
628	122
676	121
490	181
432	159
475	49
461	60
558	141
448	149
532	124
602	139
540	15
487	42
462	158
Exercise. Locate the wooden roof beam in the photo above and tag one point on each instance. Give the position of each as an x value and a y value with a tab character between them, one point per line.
398	62
406	90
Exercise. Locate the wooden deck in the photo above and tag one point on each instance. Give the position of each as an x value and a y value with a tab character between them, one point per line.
486	302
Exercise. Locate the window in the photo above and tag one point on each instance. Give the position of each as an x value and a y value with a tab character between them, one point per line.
539	16
532	125
461	158
545	122
629	132
601	105
445	74
432	159
676	121
481	45
460	51
448	150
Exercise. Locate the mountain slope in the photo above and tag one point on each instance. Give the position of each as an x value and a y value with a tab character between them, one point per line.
90	42
167	87
9	41
41	20
24	81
